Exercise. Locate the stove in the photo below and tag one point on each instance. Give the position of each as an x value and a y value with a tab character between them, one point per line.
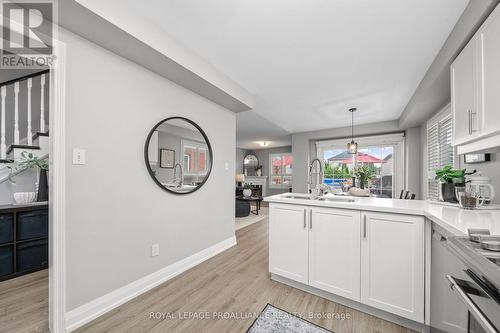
480	288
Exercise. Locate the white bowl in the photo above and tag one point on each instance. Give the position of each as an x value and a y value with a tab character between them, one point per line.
24	197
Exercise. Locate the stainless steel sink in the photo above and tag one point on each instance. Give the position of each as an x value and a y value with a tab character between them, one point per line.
306	197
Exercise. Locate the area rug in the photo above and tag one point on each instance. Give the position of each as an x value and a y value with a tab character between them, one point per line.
242	222
274	320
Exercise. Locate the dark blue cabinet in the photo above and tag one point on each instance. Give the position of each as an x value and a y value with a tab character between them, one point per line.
24	240
6	228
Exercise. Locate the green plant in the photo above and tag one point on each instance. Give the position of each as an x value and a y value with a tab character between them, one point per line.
27	161
452	176
364	173
247	186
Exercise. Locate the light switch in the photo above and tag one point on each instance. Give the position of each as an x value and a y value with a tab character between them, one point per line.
78	156
227	166
155	250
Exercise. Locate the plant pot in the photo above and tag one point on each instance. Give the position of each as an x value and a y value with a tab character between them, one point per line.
247	192
447	192
43	187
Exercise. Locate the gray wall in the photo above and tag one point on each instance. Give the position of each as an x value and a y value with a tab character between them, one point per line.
263	156
304	150
490	169
114	209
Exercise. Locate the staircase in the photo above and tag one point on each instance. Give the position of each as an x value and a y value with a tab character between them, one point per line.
35	132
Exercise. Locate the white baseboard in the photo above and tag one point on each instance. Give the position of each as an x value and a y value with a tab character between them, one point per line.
96	308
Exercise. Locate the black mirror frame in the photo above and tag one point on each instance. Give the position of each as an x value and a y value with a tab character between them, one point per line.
146	155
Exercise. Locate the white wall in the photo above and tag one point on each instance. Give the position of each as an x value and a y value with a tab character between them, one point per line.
304	150
114	209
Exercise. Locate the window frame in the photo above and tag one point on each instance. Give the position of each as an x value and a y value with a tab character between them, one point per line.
396	140
198	146
282	174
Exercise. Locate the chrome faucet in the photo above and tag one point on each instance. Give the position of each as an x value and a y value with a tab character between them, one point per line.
179	180
315	188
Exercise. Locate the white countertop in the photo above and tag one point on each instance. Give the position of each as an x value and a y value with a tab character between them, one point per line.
455	220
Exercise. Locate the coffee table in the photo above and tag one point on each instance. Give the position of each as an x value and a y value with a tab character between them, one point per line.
256	199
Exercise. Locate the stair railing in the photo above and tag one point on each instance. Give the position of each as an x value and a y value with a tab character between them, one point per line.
3	95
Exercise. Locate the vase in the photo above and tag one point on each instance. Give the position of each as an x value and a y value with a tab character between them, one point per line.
247	192
447	192
43	187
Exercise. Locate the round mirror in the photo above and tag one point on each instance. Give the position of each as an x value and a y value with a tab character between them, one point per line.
250	163
178	155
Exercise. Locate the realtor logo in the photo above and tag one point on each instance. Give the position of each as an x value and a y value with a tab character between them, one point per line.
27	34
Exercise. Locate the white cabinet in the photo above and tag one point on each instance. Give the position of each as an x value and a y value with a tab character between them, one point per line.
392	264
488	38
288	241
475	83
334	251
464	103
373	258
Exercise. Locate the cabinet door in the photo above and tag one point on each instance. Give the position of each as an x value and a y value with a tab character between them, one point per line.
392	264
288	241
447	313
334	251
463	92
489	40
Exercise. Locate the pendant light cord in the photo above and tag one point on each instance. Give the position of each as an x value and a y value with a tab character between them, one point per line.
352	126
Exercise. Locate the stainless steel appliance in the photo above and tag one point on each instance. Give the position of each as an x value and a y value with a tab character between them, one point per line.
478	286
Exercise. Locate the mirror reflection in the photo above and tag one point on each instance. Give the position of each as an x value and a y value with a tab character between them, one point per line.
250	163
178	155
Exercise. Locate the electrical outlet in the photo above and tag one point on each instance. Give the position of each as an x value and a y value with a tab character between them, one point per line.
155	250
78	156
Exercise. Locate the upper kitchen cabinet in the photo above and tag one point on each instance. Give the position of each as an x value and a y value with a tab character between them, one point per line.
475	83
489	42
464	103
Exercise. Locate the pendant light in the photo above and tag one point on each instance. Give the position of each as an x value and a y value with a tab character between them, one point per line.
352	147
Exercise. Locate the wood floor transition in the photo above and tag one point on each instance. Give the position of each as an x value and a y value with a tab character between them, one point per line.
234	283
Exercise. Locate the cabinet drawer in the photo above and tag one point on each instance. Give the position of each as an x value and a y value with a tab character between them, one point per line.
32	255
32	224
6	260
6	228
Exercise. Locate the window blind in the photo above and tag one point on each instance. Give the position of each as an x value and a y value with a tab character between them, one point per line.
440	152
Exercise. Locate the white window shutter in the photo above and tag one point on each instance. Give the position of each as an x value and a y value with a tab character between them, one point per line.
440	152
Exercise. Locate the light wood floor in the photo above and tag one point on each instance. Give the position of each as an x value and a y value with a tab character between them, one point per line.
236	281
24	304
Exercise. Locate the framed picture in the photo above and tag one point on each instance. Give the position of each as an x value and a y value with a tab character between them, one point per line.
167	158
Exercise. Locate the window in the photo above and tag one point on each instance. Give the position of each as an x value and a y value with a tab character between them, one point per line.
440	152
281	170
195	155
383	154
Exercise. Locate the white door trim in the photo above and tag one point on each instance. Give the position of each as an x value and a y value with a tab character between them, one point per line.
57	192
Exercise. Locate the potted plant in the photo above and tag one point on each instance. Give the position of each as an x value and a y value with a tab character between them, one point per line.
449	178
258	170
364	173
247	190
28	161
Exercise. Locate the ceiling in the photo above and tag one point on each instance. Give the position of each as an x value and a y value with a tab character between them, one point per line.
307	62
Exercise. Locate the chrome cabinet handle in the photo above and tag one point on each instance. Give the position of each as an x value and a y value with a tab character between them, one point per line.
364	226
470	122
310	219
305	222
473	309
